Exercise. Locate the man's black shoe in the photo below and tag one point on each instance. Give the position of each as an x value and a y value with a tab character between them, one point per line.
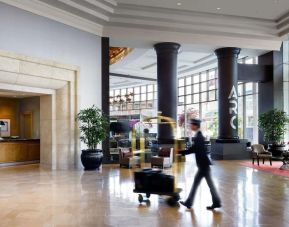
185	204
214	206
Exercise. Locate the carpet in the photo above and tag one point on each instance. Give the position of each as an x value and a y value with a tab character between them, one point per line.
274	169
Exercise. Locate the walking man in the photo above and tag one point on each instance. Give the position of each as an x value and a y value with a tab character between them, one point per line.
204	170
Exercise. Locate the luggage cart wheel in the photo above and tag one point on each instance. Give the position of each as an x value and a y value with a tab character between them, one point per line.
148	195
140	198
176	197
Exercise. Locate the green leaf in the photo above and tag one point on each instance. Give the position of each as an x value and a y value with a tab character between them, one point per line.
93	125
273	123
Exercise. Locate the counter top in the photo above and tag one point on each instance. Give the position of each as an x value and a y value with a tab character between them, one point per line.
19	150
17	140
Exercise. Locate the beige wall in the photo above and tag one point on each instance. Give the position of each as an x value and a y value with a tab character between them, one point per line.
57	85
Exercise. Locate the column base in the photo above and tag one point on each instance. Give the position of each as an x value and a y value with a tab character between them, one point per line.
231	140
229	151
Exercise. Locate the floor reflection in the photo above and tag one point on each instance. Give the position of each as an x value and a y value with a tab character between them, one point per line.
30	196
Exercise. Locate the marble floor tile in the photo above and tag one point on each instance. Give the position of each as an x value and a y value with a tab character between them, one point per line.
31	196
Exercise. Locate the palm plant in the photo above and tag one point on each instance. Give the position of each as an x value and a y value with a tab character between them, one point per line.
93	126
273	123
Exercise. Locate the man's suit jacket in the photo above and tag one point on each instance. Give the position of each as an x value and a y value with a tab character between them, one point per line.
199	148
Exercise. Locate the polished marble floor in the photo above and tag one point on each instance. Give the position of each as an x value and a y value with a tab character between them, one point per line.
30	196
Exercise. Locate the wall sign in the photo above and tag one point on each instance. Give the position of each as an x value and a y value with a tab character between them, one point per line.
5	129
233	110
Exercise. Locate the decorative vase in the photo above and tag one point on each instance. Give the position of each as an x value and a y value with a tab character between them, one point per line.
91	159
276	150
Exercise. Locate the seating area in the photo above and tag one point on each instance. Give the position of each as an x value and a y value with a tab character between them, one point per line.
122	152
260	153
164	159
128	159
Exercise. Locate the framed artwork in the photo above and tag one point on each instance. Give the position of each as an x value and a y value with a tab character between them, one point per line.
5	129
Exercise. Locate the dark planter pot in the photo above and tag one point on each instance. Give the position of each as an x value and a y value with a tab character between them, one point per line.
91	159
276	150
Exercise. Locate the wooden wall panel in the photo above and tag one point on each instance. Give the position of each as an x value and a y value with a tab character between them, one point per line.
9	109
19	151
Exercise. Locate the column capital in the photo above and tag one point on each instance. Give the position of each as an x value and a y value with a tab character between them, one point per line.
227	52
167	46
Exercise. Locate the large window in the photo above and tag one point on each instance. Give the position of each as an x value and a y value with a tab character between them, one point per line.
133	99
248	106
286	81
197	97
248	111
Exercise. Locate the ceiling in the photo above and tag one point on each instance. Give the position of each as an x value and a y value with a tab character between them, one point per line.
264	9
16	94
142	63
201	25
121	82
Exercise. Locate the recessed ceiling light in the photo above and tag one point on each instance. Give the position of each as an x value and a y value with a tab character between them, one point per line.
179	3
218	8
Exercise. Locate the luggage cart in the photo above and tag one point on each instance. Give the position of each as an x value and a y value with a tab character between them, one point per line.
154	181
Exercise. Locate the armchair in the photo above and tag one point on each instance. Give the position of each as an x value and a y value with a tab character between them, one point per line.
164	159
259	152
127	159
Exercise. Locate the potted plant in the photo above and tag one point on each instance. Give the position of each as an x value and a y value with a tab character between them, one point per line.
273	124
93	126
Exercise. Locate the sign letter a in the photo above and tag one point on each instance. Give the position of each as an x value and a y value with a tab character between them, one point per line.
233	93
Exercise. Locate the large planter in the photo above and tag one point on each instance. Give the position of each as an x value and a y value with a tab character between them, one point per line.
276	150
91	159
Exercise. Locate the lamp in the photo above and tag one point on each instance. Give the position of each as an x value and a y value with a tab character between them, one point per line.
2	123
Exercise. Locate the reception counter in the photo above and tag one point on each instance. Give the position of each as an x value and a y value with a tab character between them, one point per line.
19	150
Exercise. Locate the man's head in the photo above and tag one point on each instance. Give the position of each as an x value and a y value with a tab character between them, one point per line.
195	124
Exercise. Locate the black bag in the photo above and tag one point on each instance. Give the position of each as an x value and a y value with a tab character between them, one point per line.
151	180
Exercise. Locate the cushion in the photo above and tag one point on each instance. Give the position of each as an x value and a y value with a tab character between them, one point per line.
126	152
127	155
164	152
264	155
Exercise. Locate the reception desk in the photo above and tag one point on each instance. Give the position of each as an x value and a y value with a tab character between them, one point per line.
19	150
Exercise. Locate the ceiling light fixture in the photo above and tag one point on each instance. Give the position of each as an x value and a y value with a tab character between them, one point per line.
179	3
218	8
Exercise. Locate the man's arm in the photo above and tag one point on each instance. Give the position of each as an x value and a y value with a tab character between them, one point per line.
193	148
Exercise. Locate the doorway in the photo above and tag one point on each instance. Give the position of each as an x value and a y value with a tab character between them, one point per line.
28	124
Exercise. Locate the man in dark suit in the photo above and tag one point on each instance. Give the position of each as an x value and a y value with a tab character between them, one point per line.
204	170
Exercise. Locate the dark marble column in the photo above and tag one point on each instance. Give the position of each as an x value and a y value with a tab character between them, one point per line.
105	91
167	54
228	94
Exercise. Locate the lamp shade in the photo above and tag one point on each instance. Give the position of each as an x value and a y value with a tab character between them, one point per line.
2	123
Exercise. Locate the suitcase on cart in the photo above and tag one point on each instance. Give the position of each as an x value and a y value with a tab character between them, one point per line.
154	181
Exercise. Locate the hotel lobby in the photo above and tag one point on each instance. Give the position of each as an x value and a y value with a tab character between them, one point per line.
98	103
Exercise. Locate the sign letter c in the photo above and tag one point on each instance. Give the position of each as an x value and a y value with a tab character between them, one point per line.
232	122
